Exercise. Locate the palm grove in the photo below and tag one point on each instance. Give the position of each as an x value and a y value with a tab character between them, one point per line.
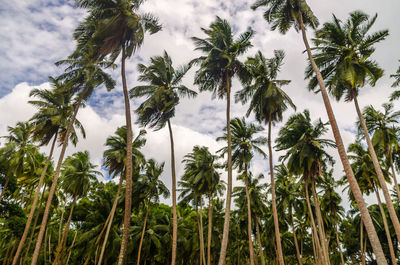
55	211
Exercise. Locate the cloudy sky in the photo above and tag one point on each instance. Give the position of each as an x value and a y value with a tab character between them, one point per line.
36	33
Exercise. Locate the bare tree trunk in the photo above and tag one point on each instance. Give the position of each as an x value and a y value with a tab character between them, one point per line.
72	245
33	206
273	199
338	241
201	231
128	166
394	175
61	223
372	235
362	243
225	233
249	218
110	220
142	236
209	235
299	257
259	242
386	226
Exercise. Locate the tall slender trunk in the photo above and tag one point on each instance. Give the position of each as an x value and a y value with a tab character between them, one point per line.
249	232
49	245
316	259
259	242
296	244
65	233
338	241
201	230
143	231
61	222
110	220
362	242
320	222
372	235
225	233
128	166
396	185
33	206
6	255
273	199
386	226
313	227
55	179
174	213
72	245
209	234
379	173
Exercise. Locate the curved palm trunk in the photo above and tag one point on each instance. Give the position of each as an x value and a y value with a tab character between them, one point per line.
259	242
174	213
320	222
201	231
296	244
209	234
386	226
60	247
142	236
396	185
225	233
55	179
128	166
372	235
110	220
379	173
33	206
338	241
249	232
273	199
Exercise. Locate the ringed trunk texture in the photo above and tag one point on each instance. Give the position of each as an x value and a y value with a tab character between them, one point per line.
259	242
174	213
225	234
299	258
379	173
142	236
34	203
273	199
209	234
109	221
249	218
372	235
55	179
128	166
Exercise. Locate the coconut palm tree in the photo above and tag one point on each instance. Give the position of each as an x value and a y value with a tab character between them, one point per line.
77	175
244	145
342	52
268	102
284	15
117	31
163	88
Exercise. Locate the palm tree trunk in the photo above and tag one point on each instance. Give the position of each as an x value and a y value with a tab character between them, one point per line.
320	222
259	242
110	220
362	243
61	222
317	241
128	166
174	213
201	231
33	206
396	185
55	179
225	233
338	241
65	233
249	232
72	245
273	199
296	244
386	226
49	245
379	173
6	255
142	236
372	235
209	234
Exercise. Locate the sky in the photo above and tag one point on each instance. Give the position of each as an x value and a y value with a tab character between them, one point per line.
36	33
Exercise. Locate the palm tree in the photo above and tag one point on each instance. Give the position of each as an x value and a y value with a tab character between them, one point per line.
306	157
268	102
244	145
283	15
396	83
343	53
116	28
78	173
50	122
163	88
115	161
218	65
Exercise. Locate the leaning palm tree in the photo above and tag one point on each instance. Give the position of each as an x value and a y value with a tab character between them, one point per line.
244	145
218	65
77	175
268	102
343	53
49	122
163	88
284	14
117	28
